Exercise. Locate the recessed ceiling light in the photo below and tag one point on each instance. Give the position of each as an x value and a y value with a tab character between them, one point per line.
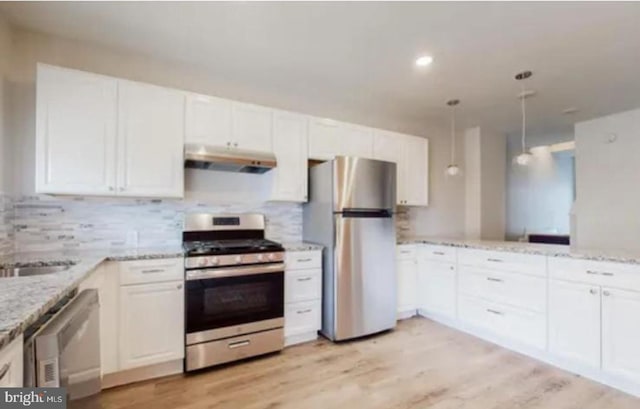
424	61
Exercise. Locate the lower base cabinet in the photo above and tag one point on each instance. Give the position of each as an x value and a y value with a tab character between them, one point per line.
437	288
11	364
141	314
151	327
303	296
574	322
407	279
621	333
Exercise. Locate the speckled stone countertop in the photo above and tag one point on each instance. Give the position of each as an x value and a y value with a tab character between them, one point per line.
25	299
302	246
548	250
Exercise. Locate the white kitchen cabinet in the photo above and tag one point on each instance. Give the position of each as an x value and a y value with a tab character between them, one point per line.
303	296
76	125
324	138
389	146
208	121
437	287
151	329
105	280
12	364
416	171
290	147
411	154
407	270
150	141
252	127
355	140
621	333
574	322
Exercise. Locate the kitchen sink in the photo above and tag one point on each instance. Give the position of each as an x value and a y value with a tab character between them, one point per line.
32	271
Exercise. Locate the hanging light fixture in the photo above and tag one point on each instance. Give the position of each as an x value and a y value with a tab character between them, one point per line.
453	169
524	158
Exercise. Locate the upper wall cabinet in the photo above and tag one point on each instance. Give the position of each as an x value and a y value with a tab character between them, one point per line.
232	125
75	132
150	141
208	121
81	118
290	147
329	138
252	127
324	138
411	154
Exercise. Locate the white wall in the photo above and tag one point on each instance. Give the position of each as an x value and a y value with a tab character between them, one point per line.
445	215
485	169
608	182
5	58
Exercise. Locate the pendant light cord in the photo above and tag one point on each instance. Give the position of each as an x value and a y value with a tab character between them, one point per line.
453	135
524	118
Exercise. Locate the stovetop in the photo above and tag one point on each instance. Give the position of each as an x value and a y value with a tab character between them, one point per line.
223	247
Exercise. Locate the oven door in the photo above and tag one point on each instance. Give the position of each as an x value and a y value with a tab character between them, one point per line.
226	302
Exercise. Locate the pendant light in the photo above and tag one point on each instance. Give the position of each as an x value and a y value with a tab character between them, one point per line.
524	158
453	169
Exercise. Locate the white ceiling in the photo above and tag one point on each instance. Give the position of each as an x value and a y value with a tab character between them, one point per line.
357	58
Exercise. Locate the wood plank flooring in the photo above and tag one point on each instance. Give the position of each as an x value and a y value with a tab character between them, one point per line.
421	364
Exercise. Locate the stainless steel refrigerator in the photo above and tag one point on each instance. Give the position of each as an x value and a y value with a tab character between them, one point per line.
351	212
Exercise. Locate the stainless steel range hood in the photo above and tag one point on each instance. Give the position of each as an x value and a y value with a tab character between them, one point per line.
227	160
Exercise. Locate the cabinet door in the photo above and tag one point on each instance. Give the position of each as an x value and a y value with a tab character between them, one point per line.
437	287
324	138
355	141
252	127
151	138
621	333
389	146
290	147
12	364
574	322
416	170
151	324
75	132
105	280
407	280
208	121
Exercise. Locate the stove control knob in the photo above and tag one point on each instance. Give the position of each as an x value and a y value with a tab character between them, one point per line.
214	261
272	256
260	257
203	262
238	259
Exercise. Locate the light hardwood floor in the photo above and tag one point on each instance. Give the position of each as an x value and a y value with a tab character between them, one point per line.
419	365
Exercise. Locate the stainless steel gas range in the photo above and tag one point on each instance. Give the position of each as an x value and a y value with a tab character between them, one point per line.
234	289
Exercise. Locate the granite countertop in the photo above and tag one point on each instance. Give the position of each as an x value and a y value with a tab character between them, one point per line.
302	246
549	250
25	299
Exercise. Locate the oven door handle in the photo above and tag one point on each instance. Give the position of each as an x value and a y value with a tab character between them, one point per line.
234	271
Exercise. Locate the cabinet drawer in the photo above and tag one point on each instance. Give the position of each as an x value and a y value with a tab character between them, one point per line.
302	285
505	261
608	274
151	271
302	317
437	253
525	327
297	260
406	251
519	290
11	364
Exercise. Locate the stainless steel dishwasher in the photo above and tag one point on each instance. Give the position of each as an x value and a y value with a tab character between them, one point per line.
64	351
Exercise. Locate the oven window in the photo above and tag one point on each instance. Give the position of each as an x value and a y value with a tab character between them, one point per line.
224	302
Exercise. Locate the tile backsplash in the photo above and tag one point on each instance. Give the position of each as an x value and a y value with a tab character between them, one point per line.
44	223
6	224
